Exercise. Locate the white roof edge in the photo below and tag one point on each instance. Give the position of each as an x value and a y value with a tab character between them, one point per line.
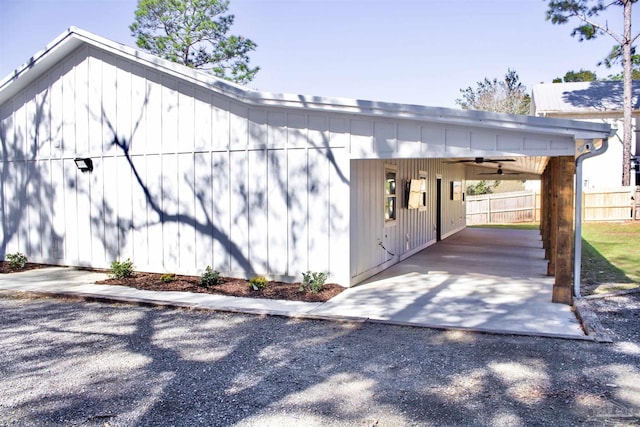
581	129
15	74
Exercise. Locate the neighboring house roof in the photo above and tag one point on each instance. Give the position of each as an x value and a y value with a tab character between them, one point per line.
581	98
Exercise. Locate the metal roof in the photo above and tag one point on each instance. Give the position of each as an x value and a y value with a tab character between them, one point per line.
71	39
581	97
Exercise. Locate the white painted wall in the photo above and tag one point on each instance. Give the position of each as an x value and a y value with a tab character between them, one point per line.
605	171
414	229
191	172
184	177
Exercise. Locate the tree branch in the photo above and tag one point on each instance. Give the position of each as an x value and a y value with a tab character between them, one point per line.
600	27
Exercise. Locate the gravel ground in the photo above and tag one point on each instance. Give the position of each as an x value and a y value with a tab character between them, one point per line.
66	363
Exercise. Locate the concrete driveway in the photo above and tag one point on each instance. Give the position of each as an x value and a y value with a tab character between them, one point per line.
491	280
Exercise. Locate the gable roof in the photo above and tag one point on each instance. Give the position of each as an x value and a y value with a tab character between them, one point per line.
581	97
74	37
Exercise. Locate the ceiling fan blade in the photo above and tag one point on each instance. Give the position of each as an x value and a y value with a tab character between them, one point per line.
498	160
480	160
499	174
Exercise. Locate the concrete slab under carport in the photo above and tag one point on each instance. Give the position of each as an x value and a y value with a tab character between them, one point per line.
489	280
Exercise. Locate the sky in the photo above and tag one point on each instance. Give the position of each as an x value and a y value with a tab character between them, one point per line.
407	51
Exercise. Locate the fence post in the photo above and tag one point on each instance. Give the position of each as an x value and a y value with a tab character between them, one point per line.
488	208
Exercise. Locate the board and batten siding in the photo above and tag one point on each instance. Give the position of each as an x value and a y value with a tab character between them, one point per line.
414	146
377	245
184	177
190	171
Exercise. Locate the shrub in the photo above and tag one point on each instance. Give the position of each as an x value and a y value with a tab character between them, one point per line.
121	269
17	260
210	277
313	281
168	277
258	283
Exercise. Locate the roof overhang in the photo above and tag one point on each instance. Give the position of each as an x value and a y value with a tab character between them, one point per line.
555	131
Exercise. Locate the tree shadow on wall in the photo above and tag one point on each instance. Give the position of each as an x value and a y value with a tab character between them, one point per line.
204	225
248	199
26	191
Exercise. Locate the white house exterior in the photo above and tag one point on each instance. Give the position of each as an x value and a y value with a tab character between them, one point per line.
190	171
599	102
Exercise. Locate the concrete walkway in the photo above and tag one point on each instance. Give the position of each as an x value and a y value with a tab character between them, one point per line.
489	280
484	280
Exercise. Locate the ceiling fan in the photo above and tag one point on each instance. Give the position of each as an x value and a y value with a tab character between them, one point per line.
480	160
500	172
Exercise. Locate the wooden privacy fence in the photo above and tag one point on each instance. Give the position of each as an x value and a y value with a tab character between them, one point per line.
504	208
610	205
524	206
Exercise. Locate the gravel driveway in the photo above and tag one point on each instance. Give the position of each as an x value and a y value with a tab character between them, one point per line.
77	363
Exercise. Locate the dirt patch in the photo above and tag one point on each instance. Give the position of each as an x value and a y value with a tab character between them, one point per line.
5	268
607	288
229	286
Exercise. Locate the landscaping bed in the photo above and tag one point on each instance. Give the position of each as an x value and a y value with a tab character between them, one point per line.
5	267
228	286
221	285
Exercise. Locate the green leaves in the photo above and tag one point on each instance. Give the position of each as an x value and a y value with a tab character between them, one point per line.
17	260
194	33
562	11
585	32
481	187
313	281
258	283
210	277
121	269
577	76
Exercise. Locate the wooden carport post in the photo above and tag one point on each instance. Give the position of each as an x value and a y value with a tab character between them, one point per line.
545	204
565	168
551	221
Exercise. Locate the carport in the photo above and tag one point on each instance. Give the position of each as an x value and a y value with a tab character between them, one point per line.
178	170
560	224
453	147
488	280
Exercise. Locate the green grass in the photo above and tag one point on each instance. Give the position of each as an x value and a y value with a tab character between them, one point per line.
610	254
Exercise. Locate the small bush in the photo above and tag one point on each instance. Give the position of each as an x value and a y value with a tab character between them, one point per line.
210	277
313	281
17	260
121	269
258	283
168	278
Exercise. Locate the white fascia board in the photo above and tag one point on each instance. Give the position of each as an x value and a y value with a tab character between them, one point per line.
74	37
38	64
445	116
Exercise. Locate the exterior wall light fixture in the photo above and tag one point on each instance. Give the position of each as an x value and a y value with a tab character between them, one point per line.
85	164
